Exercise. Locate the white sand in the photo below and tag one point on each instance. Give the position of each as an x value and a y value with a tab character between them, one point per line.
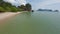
6	15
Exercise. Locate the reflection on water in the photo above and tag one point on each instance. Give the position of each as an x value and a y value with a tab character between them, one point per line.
33	23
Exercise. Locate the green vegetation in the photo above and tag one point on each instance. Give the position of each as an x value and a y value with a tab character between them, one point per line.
7	7
27	7
2	9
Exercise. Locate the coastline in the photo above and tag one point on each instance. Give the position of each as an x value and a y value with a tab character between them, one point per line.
7	15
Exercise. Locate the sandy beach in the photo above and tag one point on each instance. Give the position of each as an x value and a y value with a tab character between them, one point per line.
7	15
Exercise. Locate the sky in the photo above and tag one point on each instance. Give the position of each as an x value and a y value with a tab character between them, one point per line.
16	2
36	4
46	4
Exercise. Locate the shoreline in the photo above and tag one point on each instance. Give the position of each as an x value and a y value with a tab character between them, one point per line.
5	16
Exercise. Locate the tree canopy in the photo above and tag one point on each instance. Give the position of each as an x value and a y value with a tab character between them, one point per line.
28	7
5	6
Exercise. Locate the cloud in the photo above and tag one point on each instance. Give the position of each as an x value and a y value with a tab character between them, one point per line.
49	2
16	2
53	6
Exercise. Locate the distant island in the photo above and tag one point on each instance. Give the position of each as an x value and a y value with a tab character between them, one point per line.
48	10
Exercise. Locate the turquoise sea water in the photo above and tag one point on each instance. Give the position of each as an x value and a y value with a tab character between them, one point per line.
37	22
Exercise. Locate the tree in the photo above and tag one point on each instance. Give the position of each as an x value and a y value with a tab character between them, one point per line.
28	7
22	7
5	6
1	1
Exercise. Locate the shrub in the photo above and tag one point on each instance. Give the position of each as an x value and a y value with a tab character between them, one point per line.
2	9
14	9
8	9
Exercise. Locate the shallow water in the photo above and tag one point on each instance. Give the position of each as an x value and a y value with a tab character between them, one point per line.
37	22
